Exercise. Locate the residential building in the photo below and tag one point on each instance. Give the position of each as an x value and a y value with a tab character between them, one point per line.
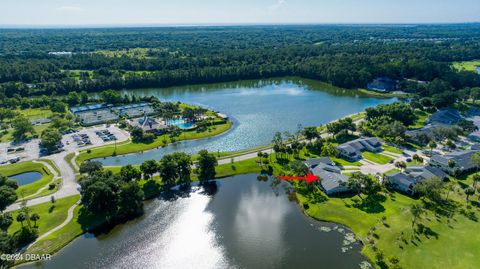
405	181
330	178
382	84
457	160
445	116
353	150
148	124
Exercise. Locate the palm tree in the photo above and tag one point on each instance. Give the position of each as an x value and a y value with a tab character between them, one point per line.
260	156
476	179
469	191
21	217
34	217
417	211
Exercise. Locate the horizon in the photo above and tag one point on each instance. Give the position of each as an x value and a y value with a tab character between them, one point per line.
122	13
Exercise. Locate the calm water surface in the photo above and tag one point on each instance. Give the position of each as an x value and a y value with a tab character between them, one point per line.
258	109
242	224
26	178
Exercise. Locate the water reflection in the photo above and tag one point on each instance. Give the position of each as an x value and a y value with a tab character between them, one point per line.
242	225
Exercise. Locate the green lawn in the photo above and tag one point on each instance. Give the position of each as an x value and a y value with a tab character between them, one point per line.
22	167
50	217
452	243
422	116
57	240
376	158
163	140
392	149
35	113
343	162
467	65
241	167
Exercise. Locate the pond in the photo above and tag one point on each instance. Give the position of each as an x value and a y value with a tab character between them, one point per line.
242	223
258	109
26	178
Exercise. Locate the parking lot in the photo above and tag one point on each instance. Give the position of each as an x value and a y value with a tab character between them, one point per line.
84	138
93	137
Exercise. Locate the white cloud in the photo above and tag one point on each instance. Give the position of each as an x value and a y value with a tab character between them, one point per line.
277	5
69	8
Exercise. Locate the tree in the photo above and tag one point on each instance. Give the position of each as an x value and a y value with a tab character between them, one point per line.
310	133
469	191
7	246
168	169
149	168
129	173
432	145
21	128
431	188
361	183
90	167
206	166
99	193
111	97
475	160
476	179
130	200
73	98
184	167
6	220
58	106
341	126
329	149
299	168
50	139
34	217
417	211
7	196
21	217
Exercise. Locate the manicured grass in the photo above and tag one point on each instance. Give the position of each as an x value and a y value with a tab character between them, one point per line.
451	244
36	113
48	191
50	217
69	158
241	167
343	162
392	149
376	158
382	94
163	140
57	240
467	65
420	122
23	167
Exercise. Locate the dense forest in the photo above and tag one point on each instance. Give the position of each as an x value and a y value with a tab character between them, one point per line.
58	61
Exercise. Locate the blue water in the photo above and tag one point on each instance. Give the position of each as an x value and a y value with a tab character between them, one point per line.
26	178
478	70
180	123
258	109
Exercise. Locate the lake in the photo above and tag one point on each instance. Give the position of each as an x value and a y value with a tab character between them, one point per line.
258	109
242	223
26	178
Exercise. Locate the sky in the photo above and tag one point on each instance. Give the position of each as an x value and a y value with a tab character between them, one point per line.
201	12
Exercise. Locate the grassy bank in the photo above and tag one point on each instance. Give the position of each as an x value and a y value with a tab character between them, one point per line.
51	215
23	167
376	158
385	226
160	141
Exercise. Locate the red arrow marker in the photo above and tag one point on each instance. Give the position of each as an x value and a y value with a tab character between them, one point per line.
309	178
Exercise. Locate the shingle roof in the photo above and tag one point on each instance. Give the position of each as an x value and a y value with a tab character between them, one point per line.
447	116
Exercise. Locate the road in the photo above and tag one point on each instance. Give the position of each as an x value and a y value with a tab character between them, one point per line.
69	184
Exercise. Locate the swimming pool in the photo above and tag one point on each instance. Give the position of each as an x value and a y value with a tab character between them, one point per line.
180	123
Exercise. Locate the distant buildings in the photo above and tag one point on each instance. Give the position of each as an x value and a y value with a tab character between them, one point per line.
353	150
382	84
330	178
103	113
457	160
405	181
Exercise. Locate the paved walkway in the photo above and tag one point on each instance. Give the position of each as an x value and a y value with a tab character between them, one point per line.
65	222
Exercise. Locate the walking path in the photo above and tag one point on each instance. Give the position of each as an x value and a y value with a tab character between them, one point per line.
65	222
